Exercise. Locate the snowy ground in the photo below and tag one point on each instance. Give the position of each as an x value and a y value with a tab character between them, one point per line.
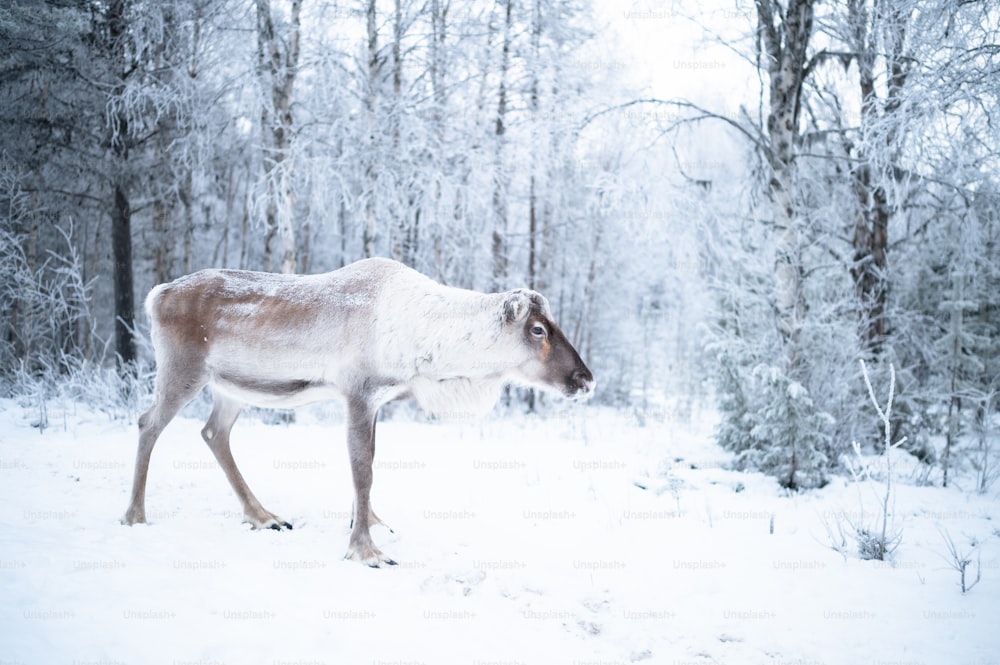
580	538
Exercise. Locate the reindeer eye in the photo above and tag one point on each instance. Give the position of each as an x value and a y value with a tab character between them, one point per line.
538	331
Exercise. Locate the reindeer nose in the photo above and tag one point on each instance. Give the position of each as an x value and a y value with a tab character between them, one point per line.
584	381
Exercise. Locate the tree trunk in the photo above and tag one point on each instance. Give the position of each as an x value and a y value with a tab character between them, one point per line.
500	179
121	213
875	157
869	261
163	241
536	36
439	17
371	113
407	215
186	195
278	62
121	245
785	37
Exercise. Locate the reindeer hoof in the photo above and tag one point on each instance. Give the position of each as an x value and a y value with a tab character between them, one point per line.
134	516
280	526
370	556
267	521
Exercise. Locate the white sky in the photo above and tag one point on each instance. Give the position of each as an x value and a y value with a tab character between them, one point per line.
666	52
672	50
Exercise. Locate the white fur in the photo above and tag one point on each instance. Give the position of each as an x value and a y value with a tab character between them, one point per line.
451	346
451	349
458	398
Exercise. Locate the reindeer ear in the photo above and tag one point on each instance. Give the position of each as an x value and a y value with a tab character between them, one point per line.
542	302
516	305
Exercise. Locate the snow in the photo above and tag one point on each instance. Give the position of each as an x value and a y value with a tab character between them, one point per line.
576	538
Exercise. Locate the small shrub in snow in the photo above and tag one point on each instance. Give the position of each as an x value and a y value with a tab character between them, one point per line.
873	545
961	560
879	539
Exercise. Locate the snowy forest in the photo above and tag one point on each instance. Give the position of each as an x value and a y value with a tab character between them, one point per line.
808	185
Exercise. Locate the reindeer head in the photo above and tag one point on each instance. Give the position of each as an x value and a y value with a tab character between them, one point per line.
548	360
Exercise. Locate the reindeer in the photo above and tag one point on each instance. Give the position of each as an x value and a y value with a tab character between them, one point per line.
369	333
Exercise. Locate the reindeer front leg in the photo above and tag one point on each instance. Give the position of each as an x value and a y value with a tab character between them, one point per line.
361	447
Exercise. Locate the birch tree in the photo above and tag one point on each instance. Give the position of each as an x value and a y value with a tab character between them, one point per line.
774	419
373	71
784	33
278	61
534	105
501	182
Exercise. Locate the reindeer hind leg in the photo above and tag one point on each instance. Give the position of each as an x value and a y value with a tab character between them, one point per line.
171	394
225	411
